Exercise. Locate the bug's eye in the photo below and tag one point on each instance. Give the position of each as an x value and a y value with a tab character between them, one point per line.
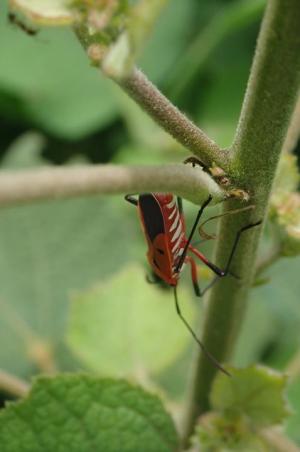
160	251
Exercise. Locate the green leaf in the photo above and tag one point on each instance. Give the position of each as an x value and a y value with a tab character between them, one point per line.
256	392
76	413
127	326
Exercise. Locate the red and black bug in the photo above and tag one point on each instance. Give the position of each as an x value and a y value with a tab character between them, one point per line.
163	225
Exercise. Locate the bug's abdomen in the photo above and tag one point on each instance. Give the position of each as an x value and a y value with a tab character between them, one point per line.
175	230
163	228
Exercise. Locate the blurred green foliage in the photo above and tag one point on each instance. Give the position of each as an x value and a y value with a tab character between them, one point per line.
55	108
124	307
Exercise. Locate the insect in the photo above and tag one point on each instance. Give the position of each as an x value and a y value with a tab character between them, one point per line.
163	224
13	19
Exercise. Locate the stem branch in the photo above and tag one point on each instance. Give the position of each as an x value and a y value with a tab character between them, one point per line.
48	183
161	110
269	102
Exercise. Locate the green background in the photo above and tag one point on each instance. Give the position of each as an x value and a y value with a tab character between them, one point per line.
56	109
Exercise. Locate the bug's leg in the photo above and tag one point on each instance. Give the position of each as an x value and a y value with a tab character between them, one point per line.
201	345
182	258
131	199
218	271
192	263
197	290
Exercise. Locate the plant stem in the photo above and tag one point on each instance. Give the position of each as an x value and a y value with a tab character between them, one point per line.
47	183
13	385
268	105
162	111
278	442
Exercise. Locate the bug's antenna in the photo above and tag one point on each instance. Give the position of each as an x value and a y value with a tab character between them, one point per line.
201	345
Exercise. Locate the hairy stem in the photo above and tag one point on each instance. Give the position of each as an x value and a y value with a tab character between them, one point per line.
162	111
268	105
48	183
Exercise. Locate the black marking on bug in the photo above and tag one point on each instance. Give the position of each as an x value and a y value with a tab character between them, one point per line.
153	219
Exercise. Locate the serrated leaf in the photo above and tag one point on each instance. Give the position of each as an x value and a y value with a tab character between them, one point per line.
76	413
256	392
126	326
46	12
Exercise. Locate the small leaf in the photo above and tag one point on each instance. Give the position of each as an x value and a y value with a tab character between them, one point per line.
76	413
46	12
216	433
125	325
255	392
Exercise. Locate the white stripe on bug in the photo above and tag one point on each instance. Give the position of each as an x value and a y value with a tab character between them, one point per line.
181	268
177	243
172	203
175	222
172	213
178	253
177	233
